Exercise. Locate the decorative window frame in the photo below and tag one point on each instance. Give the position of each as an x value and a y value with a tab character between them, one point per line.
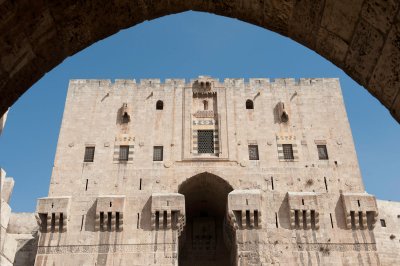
124	140
287	139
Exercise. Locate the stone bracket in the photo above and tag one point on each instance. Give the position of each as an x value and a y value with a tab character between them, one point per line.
303	210
361	210
168	211
110	213
52	213
244	209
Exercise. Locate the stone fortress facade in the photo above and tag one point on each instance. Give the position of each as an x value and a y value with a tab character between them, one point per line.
209	173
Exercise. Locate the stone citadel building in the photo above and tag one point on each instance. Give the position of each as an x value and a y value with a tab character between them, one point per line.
210	173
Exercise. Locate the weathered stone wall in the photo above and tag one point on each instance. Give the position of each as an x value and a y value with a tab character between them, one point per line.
19	231
387	232
23	228
326	218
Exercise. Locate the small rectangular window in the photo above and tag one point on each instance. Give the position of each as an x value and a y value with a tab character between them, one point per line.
322	152
205	141
123	153
383	223
89	155
157	153
253	152
288	151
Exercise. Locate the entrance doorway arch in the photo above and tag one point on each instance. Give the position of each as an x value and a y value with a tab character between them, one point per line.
203	241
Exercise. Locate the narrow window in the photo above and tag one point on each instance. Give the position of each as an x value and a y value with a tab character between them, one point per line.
61	223
256	218
276	220
358	203
331	219
322	152
296	219
123	153
157	220
353	219
383	223
326	184
360	220
249	105
165	221
253	152
248	218
117	221
125	118
313	219
157	153
288	151
174	219
205	141
140	184
159	105
101	221
138	219
304	219
205	104
83	218
87	181
53	222
89	155
272	182
109	220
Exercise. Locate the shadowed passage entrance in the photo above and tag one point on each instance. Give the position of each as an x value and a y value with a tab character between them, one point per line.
205	240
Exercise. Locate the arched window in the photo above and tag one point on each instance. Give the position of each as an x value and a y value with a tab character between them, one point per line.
125	118
159	105
205	103
249	104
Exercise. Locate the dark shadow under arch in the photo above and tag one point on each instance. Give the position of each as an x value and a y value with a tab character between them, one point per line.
202	242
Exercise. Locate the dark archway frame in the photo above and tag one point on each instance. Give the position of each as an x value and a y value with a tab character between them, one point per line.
360	37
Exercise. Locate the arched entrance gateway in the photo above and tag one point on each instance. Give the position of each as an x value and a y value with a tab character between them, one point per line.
207	238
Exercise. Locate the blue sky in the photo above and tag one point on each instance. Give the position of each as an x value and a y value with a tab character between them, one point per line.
185	46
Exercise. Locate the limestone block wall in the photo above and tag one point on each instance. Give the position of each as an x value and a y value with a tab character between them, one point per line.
106	152
18	231
388	232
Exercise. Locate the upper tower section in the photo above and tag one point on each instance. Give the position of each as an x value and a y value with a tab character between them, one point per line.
287	128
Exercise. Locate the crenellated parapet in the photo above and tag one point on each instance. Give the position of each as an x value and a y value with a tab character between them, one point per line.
168	211
303	210
52	214
206	84
110	213
361	211
244	209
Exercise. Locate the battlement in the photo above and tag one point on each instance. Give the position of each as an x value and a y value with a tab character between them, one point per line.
228	82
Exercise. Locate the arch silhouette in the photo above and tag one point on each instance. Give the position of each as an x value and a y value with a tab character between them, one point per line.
360	37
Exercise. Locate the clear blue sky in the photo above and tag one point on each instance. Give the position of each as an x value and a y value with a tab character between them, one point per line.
185	46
